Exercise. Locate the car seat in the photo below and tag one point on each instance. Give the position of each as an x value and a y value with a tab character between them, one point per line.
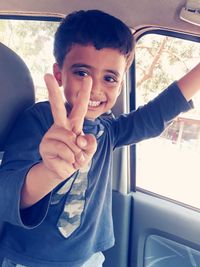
16	90
16	94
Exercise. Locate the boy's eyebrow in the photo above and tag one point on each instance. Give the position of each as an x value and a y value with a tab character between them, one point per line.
80	65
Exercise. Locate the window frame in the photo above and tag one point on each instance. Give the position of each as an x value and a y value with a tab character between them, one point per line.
32	16
132	98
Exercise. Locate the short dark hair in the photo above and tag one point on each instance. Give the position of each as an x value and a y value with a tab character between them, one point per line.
92	27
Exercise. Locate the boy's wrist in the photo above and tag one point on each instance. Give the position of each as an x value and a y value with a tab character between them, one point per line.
38	183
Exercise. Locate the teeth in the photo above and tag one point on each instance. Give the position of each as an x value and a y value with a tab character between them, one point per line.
94	103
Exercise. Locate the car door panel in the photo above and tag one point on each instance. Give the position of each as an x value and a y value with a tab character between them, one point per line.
153	217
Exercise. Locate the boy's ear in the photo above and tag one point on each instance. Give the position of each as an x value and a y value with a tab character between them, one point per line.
57	73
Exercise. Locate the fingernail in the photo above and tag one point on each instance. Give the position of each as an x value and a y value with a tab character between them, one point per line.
83	142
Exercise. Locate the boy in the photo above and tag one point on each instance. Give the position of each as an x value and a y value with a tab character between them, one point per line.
56	186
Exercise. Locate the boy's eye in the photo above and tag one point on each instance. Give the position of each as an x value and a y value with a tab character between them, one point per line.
110	79
81	73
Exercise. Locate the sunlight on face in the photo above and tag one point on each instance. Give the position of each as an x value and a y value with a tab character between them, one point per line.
106	67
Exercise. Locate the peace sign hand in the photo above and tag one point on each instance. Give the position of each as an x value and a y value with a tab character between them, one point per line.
64	148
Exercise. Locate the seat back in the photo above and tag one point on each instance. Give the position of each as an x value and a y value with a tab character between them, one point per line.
16	90
16	94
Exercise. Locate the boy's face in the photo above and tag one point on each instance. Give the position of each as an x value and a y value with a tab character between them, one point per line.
106	67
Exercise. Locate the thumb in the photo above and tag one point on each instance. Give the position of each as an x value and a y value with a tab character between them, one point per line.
81	141
87	142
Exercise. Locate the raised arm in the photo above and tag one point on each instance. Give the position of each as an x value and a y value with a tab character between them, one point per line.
64	149
190	83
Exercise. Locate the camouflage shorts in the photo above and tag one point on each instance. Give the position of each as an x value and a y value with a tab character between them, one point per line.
95	260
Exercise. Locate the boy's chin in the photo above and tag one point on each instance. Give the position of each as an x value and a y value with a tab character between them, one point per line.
91	115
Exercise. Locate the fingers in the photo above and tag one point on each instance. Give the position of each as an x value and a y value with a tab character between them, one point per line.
80	107
63	149
56	101
66	155
60	167
87	143
58	158
58	149
62	135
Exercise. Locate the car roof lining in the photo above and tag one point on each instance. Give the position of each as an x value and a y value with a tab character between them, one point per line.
143	13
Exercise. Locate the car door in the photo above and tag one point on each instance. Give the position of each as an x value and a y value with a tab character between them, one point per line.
157	218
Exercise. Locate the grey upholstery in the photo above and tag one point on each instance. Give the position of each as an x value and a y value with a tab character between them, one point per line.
16	90
16	93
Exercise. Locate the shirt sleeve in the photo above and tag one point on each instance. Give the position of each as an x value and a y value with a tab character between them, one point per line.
21	153
151	119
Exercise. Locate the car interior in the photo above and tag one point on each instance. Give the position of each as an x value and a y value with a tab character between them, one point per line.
20	84
152	229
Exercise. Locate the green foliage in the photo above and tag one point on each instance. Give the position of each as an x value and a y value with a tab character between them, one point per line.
33	41
160	60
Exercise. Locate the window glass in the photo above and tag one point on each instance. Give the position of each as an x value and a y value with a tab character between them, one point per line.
162	252
33	41
168	165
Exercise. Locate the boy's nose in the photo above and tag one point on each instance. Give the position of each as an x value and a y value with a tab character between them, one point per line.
96	88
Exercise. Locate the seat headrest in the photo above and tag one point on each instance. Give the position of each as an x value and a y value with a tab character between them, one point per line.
16	90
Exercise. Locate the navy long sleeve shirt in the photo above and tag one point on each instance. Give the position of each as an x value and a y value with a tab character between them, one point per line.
75	220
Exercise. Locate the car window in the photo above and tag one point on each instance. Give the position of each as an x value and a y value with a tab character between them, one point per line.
33	41
169	164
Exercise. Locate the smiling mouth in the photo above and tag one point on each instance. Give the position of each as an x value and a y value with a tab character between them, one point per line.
94	103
